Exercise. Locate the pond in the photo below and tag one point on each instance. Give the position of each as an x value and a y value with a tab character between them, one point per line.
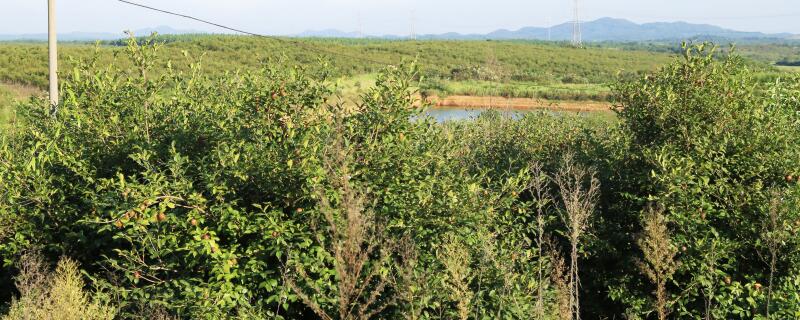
455	114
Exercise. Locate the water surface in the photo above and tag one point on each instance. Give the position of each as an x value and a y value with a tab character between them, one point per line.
455	114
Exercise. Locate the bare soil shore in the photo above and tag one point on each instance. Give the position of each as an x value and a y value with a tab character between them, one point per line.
518	103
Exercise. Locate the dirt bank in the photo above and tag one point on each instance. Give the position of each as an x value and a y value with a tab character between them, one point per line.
517	103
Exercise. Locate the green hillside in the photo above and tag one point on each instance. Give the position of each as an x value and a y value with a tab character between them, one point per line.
527	62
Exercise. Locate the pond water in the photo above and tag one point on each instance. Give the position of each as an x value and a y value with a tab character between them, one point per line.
455	114
452	114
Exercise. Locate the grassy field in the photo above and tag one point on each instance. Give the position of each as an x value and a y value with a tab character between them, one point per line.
9	95
522	89
517	65
510	69
5	106
789	68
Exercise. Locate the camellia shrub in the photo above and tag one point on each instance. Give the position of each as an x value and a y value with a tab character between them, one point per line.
255	195
719	152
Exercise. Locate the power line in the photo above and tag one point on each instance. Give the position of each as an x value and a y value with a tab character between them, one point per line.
296	43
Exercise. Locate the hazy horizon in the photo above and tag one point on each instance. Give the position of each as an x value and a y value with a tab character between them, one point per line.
388	16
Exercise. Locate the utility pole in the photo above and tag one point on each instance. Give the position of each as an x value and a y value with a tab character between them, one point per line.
52	39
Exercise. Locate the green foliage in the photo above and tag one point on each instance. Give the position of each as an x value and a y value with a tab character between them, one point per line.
180	191
518	62
715	145
256	195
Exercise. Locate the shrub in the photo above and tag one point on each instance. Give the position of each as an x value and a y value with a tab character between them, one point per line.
54	295
253	195
196	195
712	145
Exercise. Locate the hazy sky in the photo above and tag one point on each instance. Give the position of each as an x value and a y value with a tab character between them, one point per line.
391	16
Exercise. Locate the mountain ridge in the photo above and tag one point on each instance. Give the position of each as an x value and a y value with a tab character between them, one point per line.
603	29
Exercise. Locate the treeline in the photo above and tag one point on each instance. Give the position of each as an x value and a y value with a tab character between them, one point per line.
256	195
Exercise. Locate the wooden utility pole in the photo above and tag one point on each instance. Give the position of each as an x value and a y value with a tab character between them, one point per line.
53	50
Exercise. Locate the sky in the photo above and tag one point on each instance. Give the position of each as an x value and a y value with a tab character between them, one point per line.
379	17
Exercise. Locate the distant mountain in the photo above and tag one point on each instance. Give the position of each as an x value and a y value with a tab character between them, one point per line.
605	29
93	36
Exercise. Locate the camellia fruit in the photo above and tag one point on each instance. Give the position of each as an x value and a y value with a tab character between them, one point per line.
161	217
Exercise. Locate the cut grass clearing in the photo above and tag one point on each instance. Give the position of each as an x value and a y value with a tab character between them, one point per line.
11	94
350	88
519	89
6	113
518	104
789	68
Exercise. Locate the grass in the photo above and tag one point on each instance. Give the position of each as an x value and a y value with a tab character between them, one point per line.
6	101
521	89
9	95
351	87
789	68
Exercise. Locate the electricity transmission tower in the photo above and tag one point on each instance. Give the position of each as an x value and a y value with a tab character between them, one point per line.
413	21
360	26
576	28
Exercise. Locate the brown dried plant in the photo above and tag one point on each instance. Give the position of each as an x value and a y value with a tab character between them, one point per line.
412	286
659	263
46	295
774	237
560	280
456	259
355	241
579	190
538	186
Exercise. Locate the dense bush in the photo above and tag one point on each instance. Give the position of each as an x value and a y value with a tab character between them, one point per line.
255	195
719	153
222	197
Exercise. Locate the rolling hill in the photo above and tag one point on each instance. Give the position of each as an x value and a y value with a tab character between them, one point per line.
605	29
